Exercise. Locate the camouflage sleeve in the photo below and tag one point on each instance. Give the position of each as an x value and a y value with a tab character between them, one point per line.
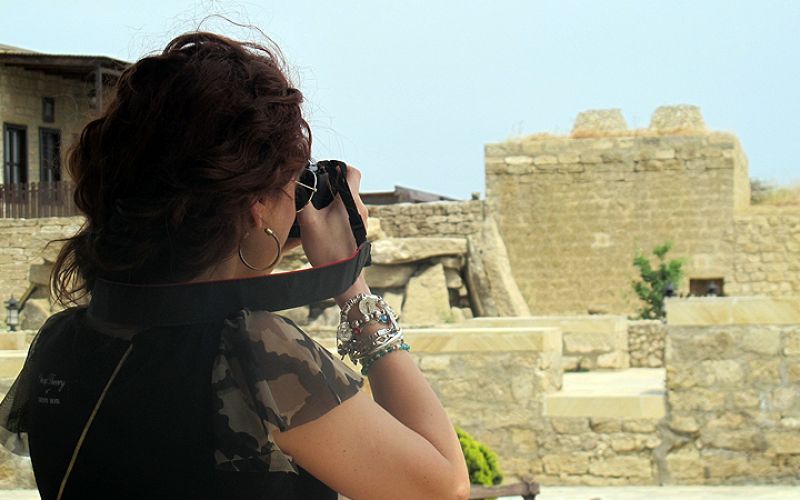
267	374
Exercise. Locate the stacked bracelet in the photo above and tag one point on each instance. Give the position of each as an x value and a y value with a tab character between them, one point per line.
367	348
366	364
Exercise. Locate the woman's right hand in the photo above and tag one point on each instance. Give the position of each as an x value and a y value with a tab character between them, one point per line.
325	234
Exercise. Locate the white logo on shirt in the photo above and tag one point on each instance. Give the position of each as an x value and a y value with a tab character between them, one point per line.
51	384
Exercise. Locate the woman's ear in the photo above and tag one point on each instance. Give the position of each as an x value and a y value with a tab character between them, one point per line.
258	210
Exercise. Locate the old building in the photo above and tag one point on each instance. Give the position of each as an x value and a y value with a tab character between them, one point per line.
45	100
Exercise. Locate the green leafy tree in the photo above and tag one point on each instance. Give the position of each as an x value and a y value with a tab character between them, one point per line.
654	282
481	461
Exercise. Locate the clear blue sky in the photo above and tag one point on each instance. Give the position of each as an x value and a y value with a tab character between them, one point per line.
411	91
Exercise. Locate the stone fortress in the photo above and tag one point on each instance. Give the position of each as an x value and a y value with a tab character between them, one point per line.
518	307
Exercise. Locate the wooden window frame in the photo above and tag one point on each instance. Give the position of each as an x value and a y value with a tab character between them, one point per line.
7	153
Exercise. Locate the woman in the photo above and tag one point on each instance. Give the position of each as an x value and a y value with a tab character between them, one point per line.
168	386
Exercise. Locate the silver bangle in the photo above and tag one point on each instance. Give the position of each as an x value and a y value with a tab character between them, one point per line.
348	334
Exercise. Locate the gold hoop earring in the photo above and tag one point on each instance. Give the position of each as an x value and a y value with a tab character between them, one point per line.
269	232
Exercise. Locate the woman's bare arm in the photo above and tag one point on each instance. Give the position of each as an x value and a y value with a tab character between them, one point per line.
401	445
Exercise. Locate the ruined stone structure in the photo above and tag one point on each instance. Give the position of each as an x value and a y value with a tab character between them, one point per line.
574	210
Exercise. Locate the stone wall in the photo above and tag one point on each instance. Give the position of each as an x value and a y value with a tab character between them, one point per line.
21	93
22	245
596	451
574	210
450	219
734	404
646	340
767	252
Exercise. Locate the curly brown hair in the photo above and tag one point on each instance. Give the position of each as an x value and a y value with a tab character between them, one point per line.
190	139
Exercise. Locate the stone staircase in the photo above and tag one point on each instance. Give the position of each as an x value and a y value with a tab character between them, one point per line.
626	393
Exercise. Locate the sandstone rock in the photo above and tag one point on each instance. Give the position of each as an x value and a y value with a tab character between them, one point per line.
404	250
570	425
374	229
623	466
680	117
395	301
39	274
685	464
455	262
624	443
592	121
457	315
434	362
388	276
786	442
50	251
491	284
618	359
606	425
639	425
568	463
427	300
763	341
453	278
34	314
684	424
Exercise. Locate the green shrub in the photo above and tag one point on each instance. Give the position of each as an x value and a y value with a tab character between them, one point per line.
481	461
654	281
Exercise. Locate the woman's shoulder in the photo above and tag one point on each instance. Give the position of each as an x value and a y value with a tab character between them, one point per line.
271	329
291	362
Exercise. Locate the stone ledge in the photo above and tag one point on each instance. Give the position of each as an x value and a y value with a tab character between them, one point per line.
11	362
14	340
573	324
631	393
442	340
755	310
560	405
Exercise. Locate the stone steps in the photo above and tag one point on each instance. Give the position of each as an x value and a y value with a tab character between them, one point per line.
11	361
629	393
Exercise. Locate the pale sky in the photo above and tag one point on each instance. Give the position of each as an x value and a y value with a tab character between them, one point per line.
410	91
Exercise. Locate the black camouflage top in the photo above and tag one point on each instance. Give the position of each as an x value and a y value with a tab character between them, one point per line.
190	412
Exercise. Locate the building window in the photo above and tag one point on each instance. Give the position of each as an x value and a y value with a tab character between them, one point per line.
15	154
48	109
49	155
707	286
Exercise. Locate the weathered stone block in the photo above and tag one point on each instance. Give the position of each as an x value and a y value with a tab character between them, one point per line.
388	276
566	463
784	442
605	425
404	250
34	314
624	466
571	426
684	424
427	301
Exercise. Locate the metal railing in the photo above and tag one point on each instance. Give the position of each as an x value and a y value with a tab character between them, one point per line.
34	200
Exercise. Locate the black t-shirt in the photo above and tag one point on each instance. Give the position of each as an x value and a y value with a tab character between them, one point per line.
152	435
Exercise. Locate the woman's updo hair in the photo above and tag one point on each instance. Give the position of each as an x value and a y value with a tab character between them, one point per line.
165	176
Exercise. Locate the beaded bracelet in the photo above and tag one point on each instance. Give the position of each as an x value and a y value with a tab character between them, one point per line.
366	364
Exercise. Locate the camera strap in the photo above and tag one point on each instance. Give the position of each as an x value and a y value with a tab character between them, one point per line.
149	306
343	188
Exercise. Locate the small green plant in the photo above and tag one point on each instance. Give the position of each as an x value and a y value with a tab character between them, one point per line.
581	366
654	281
481	461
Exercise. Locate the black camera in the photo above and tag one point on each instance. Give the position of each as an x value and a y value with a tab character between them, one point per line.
318	184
